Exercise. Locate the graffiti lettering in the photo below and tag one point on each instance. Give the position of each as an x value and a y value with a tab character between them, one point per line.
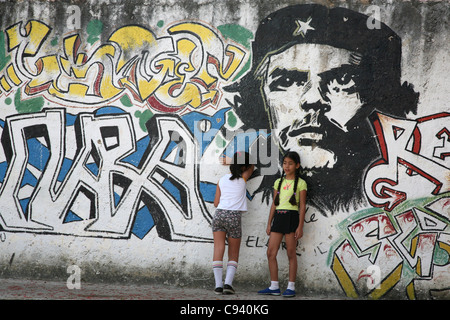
102	191
168	74
255	242
72	163
410	242
409	145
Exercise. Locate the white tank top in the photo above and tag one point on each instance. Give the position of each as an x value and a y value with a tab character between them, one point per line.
233	193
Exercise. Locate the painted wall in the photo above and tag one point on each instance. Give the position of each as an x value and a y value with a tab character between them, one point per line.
115	118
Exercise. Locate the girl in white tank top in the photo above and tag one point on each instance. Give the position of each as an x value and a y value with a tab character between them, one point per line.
230	201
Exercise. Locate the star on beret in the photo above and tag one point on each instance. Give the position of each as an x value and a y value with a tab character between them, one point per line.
302	27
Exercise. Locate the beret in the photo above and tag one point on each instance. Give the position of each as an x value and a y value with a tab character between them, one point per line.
380	47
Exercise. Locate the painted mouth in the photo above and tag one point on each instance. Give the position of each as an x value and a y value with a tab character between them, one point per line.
307	136
307	133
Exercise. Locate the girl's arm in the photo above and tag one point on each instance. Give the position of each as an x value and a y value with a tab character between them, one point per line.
217	197
248	172
271	214
301	212
225	160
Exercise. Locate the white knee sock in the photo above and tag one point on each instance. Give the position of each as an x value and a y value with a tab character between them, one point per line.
291	285
218	271
274	285
231	271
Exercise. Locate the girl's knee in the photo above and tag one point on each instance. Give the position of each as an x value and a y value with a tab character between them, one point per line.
292	257
292	254
272	253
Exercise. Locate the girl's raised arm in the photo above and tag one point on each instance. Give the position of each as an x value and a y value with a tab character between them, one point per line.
248	172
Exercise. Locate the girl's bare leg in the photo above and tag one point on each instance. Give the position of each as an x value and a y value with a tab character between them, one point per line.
272	251
291	247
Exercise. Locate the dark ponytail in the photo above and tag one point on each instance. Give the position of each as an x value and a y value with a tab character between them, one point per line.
276	201
293	199
240	159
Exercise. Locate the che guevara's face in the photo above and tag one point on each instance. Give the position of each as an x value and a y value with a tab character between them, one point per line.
311	93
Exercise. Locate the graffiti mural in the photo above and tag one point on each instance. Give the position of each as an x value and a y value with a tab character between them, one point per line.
408	240
114	136
179	71
97	176
329	111
320	109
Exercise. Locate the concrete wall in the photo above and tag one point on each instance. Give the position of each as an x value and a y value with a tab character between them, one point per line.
114	116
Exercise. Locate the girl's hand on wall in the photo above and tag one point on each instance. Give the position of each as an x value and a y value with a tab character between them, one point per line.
225	160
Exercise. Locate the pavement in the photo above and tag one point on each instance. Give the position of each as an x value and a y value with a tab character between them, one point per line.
46	297
26	289
58	298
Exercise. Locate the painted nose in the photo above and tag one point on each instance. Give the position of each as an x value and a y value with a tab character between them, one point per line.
313	99
316	106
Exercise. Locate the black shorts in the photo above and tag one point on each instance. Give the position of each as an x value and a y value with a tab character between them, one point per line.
285	221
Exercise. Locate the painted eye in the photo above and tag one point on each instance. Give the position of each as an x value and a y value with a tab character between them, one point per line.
344	79
281	84
283	79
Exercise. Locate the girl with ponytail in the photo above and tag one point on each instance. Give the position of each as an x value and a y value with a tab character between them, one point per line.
231	202
286	219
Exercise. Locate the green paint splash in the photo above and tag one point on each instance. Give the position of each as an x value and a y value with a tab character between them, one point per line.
231	119
143	118
29	105
125	100
94	30
242	36
220	142
4	59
